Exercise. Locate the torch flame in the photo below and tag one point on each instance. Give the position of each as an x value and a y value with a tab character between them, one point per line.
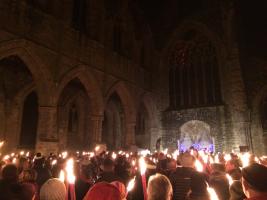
1	144
230	179
245	159
54	162
62	176
198	166
69	169
130	185
212	194
142	165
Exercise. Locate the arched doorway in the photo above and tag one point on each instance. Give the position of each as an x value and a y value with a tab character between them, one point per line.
18	105
142	131
113	124
29	122
73	115
197	134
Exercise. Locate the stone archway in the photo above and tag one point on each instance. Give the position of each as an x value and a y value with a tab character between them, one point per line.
197	134
129	111
91	104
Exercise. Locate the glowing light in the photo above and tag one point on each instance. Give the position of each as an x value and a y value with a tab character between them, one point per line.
54	162
133	163
14	161
245	159
127	155
27	154
97	148
69	170
165	151
230	179
227	157
12	154
114	156
62	176
175	154
131	184
142	165
212	193
144	153
257	160
64	154
199	167
21	153
6	157
217	159
1	144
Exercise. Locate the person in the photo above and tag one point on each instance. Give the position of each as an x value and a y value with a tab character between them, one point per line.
181	178
236	191
108	174
103	191
121	187
198	187
159	188
254	182
219	182
9	186
53	189
158	144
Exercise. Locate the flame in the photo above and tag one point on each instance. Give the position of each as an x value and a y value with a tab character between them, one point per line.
199	167
69	170
27	154
212	193
257	160
6	157
54	162
1	144
127	155
133	163
114	155
245	159
14	160
97	148
175	154
64	154
217	159
130	185
142	165
12	154
227	157
62	176
165	151
230	179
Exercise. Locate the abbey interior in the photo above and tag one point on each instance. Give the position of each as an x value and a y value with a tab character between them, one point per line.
131	73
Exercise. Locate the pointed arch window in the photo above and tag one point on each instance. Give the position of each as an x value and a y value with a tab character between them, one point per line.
194	75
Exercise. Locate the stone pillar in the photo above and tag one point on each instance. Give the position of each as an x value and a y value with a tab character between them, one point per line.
97	121
47	137
130	133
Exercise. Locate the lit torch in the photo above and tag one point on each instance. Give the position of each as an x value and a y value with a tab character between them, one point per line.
199	167
70	178
142	166
130	185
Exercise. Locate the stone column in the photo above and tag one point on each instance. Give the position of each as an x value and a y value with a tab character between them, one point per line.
96	132
47	137
130	133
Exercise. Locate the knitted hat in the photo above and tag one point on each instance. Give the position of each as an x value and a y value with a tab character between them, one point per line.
53	189
256	176
103	191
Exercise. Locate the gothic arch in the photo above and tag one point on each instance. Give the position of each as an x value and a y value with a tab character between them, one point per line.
40	73
90	84
188	25
126	98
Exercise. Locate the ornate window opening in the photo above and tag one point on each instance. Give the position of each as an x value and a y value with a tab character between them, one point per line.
194	75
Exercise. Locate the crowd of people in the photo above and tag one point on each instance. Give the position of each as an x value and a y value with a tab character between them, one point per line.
191	175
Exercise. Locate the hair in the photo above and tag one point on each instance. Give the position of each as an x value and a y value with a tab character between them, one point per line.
187	160
159	188
10	173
